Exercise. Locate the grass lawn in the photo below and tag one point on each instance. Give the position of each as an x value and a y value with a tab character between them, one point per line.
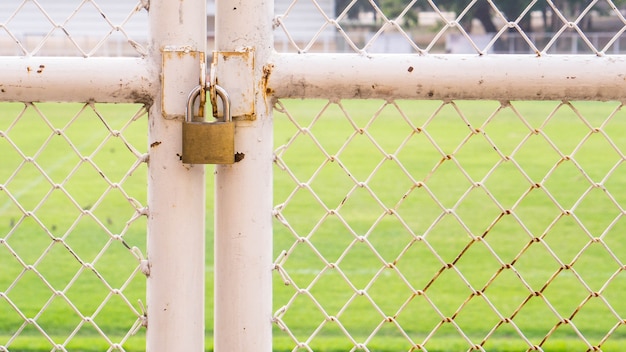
460	222
466	216
61	218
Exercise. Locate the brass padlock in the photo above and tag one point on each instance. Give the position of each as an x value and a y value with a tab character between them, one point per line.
208	142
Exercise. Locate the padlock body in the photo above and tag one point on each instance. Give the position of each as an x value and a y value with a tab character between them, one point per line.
208	143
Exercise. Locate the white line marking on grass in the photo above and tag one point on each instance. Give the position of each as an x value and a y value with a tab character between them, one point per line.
39	179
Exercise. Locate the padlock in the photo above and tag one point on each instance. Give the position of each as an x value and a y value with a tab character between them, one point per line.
208	142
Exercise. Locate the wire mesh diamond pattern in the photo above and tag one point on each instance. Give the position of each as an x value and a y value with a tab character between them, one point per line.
448	26
73	28
72	225
455	225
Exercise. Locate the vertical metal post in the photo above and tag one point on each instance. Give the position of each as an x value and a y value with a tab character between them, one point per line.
176	192
243	192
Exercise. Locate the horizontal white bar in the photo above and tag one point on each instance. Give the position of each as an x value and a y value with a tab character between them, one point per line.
497	77
63	79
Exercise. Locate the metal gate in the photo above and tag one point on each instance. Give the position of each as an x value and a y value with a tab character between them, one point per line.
405	200
472	201
90	145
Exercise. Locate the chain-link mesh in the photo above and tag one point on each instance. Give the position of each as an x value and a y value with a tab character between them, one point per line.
448	26
73	28
454	225
72	226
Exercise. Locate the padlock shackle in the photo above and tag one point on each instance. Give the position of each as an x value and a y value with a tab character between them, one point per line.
191	100
195	93
225	102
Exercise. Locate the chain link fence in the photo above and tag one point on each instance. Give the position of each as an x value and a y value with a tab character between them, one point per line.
73	28
477	222
73	201
387	26
449	225
73	231
399	224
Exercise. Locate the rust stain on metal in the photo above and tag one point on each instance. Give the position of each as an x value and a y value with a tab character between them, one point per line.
41	68
267	71
239	157
141	97
202	89
155	144
410	69
184	53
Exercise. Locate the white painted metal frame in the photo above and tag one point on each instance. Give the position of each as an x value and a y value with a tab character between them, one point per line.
412	76
243	219
516	77
74	79
243	192
176	192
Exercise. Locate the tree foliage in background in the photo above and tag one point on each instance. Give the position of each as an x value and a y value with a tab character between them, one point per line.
512	10
390	8
482	10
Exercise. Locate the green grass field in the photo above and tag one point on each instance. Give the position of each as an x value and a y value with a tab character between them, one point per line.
450	190
85	195
473	203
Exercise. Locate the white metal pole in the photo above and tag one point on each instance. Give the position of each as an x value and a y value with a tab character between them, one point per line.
243	192
510	77
77	79
176	192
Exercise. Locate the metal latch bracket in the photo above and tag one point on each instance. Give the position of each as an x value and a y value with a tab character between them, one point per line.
179	62
234	71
